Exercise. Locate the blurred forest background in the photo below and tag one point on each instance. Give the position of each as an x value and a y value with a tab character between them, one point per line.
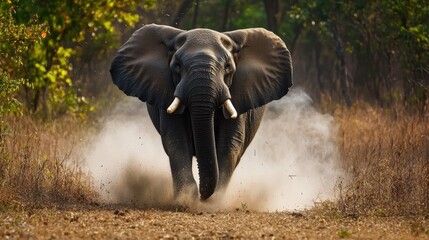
55	56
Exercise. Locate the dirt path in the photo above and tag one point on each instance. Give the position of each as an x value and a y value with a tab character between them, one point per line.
156	224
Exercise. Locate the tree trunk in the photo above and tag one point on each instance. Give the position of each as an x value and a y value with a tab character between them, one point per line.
183	9
298	31
271	10
226	15
196	10
344	83
317	54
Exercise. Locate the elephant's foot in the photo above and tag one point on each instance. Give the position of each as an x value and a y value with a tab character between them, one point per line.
186	195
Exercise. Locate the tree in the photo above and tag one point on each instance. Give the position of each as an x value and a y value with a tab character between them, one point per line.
381	47
50	89
272	9
15	41
181	12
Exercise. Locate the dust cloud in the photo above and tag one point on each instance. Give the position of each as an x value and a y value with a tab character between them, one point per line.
291	164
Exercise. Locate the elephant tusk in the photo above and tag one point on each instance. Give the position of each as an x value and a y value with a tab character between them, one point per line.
174	105
231	109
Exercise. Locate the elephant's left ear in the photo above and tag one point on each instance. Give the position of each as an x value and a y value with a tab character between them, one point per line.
141	66
264	68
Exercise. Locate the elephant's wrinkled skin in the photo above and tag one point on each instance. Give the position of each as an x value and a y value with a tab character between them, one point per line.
219	82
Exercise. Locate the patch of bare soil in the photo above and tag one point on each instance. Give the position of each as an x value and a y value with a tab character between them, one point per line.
125	223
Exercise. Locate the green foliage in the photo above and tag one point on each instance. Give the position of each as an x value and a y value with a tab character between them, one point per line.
226	15
64	26
42	43
15	41
8	88
249	15
389	39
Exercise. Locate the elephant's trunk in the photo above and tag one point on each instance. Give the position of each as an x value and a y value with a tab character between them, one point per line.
202	117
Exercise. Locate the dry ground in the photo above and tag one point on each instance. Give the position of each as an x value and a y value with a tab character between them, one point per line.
387	196
125	223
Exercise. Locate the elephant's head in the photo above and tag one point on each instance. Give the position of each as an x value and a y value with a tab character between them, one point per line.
203	70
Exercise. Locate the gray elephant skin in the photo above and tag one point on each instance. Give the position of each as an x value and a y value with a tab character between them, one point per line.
205	92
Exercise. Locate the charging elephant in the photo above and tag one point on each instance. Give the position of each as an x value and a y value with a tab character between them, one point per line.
205	93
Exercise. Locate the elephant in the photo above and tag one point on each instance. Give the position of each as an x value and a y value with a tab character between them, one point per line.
205	93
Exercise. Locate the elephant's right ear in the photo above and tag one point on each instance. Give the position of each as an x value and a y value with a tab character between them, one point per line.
141	66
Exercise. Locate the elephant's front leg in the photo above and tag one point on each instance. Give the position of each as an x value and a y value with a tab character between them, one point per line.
177	143
233	136
230	138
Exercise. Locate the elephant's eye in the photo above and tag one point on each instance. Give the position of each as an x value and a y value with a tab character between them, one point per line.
228	67
177	68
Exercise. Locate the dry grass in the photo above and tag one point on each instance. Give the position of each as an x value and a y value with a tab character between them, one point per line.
387	159
387	156
36	167
386	196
